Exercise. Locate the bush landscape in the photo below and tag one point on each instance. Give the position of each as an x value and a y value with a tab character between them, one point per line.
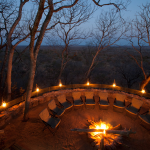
112	63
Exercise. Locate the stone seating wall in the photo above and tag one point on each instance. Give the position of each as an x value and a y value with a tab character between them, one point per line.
16	110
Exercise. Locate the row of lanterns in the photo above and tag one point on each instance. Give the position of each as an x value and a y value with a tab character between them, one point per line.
60	85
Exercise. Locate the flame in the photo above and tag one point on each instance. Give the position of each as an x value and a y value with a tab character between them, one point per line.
88	83
97	136
99	125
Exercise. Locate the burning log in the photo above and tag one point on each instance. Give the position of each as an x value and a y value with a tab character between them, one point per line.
118	127
121	132
102	143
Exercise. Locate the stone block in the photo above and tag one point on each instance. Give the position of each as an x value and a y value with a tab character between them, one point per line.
47	98
35	103
41	99
2	123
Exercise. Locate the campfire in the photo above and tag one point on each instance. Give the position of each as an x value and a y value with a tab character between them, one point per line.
104	135
108	140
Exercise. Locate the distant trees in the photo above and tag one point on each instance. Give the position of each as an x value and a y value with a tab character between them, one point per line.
110	27
127	69
140	31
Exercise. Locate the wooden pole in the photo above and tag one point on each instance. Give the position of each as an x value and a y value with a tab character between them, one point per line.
102	143
121	132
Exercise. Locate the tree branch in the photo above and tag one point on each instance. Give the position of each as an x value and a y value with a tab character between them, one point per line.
97	3
67	6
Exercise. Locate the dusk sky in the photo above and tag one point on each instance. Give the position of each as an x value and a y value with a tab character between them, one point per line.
129	14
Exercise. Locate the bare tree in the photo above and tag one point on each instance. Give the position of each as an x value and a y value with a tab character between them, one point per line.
11	33
129	73
110	29
140	31
69	31
52	8
48	9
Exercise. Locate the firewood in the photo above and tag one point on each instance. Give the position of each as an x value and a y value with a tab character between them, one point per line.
121	132
119	143
108	139
113	147
118	127
107	147
102	143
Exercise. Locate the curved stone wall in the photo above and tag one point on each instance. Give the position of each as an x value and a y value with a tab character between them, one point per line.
16	110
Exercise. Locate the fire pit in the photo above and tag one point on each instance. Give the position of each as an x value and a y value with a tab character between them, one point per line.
105	136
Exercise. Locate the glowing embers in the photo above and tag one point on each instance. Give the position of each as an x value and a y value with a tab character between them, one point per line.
98	137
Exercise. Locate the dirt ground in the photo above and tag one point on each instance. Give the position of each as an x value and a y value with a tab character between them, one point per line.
29	135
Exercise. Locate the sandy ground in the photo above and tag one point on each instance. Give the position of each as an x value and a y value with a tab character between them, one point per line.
29	135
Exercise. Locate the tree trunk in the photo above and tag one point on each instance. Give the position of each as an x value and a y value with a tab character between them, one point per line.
93	61
2	73
144	83
9	71
29	88
11	49
63	64
35	49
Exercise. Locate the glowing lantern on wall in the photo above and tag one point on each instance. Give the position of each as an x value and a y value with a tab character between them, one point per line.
114	84
88	83
60	84
143	91
3	103
37	89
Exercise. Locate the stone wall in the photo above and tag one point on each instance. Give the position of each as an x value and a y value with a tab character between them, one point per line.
16	110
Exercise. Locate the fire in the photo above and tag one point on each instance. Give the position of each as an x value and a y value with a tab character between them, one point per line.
97	136
99	125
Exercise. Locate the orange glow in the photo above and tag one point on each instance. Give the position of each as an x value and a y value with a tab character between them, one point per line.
97	136
143	91
37	89
99	125
60	84
114	84
88	83
4	104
